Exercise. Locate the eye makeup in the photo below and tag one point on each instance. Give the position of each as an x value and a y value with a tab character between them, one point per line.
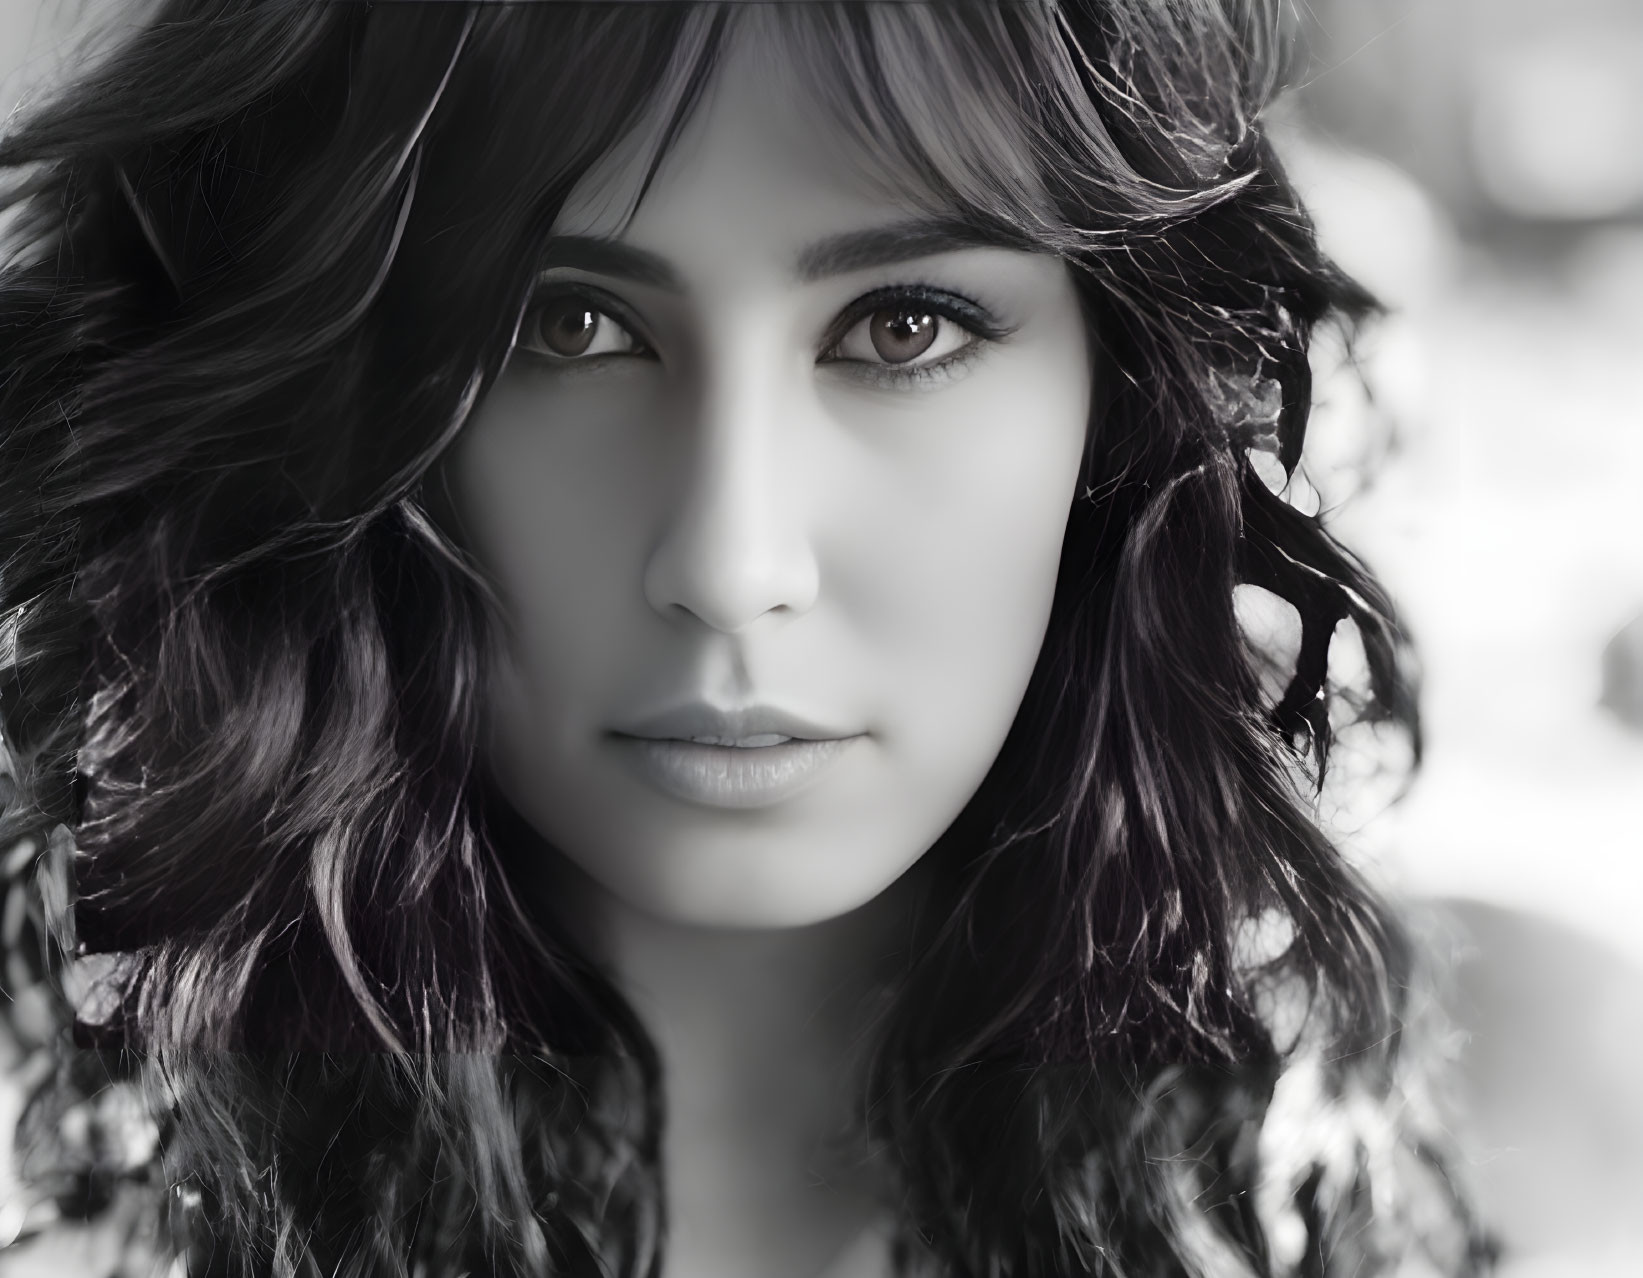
920	302
914	300
553	297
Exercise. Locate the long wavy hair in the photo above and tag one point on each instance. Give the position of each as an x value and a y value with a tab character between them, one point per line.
262	927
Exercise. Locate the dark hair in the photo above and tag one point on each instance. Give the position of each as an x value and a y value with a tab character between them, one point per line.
266	258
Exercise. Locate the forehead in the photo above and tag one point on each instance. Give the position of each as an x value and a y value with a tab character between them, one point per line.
758	151
773	156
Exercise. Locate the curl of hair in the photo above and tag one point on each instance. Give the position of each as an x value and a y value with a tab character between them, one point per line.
257	873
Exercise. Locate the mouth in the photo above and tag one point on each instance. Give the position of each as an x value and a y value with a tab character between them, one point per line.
718	758
757	741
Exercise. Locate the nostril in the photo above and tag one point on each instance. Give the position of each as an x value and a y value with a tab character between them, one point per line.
728	583
737	546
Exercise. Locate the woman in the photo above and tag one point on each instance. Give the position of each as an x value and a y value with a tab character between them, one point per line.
623	655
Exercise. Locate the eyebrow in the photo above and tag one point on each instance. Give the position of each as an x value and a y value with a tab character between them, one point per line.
900	242
835	255
619	261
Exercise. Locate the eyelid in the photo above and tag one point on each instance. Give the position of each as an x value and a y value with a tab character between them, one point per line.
598	299
951	306
970	316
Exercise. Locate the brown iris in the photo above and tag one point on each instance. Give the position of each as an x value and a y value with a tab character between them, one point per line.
901	335
567	326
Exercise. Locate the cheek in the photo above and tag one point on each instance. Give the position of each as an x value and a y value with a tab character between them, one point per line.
558	517
956	545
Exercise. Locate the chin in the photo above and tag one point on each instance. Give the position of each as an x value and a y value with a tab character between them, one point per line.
760	893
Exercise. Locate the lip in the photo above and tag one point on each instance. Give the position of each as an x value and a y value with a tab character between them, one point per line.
739	726
747	757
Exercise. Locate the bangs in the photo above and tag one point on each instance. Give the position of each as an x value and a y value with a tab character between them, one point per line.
988	114
924	94
998	115
925	97
543	92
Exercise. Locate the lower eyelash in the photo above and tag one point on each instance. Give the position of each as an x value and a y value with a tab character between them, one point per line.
924	374
952	308
596	300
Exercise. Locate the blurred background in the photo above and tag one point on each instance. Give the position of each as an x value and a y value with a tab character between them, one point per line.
1479	165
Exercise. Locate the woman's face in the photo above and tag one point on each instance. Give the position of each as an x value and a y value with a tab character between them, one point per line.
773	488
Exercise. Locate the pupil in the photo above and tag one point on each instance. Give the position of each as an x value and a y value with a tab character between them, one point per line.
899	336
570	328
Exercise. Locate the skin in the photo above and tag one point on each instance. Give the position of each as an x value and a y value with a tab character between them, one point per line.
730	496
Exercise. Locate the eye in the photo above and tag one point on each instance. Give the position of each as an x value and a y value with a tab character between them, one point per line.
900	335
911	330
564	327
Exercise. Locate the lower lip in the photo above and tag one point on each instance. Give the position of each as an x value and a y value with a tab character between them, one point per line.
731	776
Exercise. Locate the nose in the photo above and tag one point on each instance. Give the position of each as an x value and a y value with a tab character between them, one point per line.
735	548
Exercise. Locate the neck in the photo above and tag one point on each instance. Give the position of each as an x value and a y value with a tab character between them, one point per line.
762	1035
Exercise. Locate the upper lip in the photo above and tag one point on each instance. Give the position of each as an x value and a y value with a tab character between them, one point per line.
699	719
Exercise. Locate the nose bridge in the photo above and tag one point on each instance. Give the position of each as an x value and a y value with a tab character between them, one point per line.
735	547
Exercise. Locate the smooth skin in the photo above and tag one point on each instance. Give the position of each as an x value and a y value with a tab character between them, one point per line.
776	440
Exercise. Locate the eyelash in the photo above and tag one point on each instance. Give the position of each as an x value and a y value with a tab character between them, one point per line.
970	316
948	306
597	301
